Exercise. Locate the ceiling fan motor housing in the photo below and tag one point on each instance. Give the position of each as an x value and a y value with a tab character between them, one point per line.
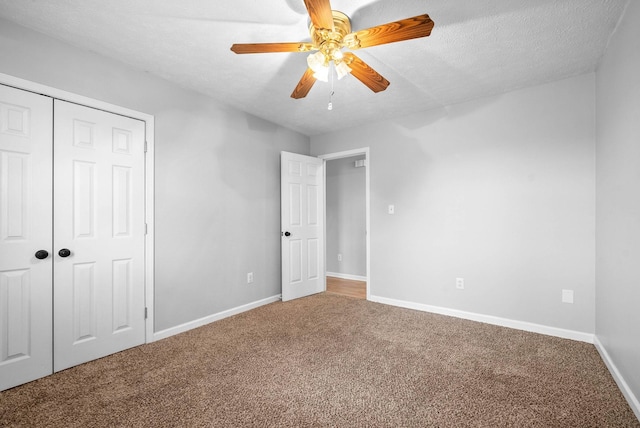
332	40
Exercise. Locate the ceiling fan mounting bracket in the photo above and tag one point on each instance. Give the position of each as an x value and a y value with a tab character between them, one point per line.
331	38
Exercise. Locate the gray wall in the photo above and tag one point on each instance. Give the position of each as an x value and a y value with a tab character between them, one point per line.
499	191
618	199
217	177
346	217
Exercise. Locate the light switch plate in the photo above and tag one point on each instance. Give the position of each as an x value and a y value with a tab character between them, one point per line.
567	296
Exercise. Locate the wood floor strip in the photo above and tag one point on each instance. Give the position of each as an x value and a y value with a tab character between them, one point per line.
347	287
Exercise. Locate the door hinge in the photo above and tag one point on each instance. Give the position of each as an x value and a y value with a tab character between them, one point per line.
145	147
146	313
146	229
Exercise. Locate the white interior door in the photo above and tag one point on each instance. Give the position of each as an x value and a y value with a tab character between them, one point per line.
99	218
302	216
25	228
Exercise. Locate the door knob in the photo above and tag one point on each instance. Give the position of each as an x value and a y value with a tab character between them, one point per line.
287	234
41	254
64	253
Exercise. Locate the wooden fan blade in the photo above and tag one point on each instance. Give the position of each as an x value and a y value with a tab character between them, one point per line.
405	29
304	85
367	75
320	13
249	48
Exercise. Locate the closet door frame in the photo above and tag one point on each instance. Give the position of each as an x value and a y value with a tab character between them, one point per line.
148	119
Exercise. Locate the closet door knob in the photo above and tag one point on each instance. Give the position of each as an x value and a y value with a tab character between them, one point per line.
64	253
41	254
287	234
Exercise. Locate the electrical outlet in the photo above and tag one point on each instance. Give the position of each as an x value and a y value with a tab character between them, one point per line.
249	277
339	257
460	283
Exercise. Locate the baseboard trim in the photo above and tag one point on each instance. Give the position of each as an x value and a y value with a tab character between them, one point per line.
488	319
633	401
163	334
347	276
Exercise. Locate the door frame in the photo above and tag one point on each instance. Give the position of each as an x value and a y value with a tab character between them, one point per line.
347	154
148	119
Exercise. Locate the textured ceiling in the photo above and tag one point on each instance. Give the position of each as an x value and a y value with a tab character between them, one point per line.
477	48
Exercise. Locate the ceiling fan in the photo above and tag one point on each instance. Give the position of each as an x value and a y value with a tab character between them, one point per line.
331	33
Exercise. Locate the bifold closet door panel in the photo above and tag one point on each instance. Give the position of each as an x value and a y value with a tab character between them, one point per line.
25	236
98	234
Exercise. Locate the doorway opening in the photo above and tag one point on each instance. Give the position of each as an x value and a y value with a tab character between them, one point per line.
347	223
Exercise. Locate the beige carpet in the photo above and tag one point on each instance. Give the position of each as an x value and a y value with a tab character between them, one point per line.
332	361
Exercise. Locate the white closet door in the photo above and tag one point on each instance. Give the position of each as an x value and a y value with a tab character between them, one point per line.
99	219
25	228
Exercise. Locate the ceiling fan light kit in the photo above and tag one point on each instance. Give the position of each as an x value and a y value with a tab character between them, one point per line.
330	32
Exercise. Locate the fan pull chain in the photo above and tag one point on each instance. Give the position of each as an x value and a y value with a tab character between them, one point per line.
330	106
